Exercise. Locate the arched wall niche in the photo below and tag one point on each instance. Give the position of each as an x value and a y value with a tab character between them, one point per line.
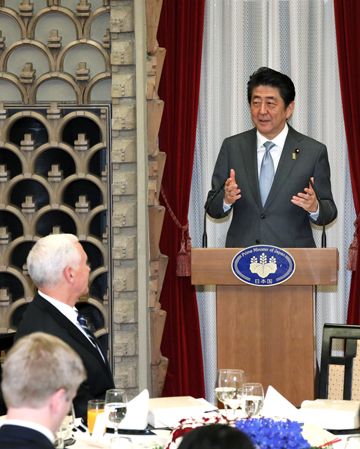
57	86
43	25
28	55
12	92
53	155
54	218
11	26
98	26
86	124
94	91
87	51
11	162
28	194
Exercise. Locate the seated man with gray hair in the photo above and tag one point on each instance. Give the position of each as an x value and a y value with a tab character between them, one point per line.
41	375
57	265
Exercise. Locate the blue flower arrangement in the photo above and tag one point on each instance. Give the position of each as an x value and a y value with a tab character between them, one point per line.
267	433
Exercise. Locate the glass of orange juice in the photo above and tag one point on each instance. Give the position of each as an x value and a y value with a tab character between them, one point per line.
95	407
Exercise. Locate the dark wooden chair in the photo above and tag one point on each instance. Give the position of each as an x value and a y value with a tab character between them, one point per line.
6	341
340	366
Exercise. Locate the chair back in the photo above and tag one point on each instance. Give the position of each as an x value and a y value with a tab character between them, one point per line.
340	362
6	341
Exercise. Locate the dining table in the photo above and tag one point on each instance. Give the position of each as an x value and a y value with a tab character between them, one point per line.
158	434
154	439
160	438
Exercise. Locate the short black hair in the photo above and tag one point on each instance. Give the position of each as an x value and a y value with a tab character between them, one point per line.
264	76
216	436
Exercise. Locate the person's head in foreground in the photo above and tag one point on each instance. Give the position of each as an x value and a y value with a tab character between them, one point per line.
41	375
216	436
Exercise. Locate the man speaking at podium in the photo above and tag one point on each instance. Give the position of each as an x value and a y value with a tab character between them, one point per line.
273	179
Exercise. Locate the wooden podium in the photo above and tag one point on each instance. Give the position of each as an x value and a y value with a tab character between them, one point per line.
268	331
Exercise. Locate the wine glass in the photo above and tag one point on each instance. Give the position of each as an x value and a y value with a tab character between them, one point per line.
252	398
228	387
115	407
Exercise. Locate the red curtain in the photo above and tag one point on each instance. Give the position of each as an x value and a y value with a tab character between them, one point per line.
180	32
347	19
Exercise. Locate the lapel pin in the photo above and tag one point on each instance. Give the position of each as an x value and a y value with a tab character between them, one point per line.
295	154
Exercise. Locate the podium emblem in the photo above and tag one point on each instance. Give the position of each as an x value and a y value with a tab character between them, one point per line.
263	265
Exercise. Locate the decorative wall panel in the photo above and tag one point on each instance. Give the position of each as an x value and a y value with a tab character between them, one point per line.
55	157
53	179
56	176
54	46
158	261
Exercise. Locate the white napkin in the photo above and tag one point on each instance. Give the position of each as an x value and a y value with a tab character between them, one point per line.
168	411
136	412
316	436
135	419
99	427
331	414
276	406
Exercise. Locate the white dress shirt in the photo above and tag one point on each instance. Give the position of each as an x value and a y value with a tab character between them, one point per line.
275	152
71	313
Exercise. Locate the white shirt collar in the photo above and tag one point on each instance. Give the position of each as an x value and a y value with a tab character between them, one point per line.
30	425
279	140
70	312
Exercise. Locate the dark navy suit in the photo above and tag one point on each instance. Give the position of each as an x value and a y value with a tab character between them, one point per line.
18	437
42	316
279	222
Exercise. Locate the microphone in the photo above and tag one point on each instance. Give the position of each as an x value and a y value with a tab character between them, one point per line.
323	234
206	207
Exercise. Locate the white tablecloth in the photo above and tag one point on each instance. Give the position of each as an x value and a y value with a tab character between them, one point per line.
84	441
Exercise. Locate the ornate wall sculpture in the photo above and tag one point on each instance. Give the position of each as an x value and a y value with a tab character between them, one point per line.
54	156
69	162
158	261
53	51
124	218
53	179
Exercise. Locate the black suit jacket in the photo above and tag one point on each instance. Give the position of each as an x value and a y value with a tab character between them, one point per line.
41	316
279	222
18	437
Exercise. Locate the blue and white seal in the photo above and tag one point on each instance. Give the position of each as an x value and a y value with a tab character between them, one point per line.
263	265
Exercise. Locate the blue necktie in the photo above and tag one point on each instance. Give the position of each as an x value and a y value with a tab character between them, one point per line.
84	325
266	172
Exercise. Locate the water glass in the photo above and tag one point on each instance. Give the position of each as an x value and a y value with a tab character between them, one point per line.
115	407
252	399
228	387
